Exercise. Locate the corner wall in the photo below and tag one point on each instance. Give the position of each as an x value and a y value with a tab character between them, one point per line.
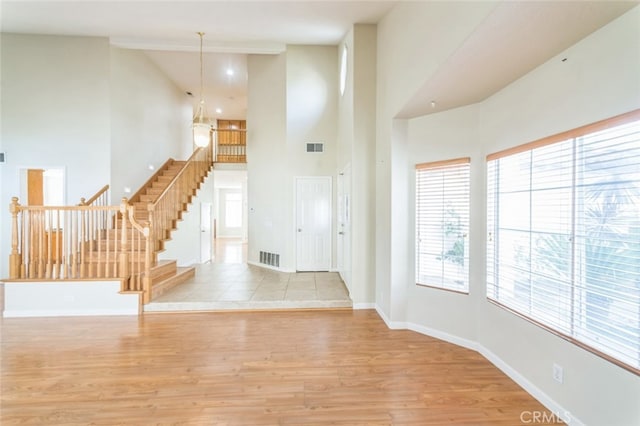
599	80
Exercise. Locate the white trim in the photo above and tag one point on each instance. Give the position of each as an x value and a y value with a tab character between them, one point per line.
393	325
513	374
267	48
358	306
67	313
532	389
441	335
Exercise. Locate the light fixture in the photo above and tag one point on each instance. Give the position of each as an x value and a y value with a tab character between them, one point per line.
230	72
201	125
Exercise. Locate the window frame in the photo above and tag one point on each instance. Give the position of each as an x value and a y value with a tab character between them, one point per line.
446	165
573	335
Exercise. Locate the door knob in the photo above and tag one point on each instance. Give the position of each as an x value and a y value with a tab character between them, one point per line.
299	229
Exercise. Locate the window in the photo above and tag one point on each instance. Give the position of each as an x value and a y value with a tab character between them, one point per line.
343	69
442	224
563	246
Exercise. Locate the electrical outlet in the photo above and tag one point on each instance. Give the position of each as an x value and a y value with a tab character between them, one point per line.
558	373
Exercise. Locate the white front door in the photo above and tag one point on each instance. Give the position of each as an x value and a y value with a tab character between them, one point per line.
313	223
344	226
205	232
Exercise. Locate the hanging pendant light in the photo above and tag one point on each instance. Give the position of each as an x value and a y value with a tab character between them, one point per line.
201	125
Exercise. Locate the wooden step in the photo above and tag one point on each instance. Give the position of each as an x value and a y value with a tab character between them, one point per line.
164	269
181	276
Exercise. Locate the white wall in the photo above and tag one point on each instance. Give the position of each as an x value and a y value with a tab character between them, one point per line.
269	214
102	114
55	114
150	120
312	115
184	245
356	146
406	58
292	101
598	80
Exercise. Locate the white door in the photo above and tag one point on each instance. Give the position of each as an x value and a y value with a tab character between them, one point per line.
313	223
344	226
205	232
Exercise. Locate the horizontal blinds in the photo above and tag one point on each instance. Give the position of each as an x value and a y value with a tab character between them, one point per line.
564	237
442	224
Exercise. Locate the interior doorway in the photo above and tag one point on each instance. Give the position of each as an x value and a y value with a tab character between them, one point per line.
42	186
230	204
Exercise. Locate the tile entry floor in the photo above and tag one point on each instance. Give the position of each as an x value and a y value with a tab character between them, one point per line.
229	283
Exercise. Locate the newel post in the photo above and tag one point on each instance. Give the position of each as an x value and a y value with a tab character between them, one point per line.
123	257
15	258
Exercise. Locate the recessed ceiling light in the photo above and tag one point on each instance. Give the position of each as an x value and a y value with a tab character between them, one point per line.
229	72
218	110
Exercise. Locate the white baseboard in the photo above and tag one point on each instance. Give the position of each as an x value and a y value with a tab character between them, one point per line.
358	306
513	374
66	313
441	335
532	389
393	325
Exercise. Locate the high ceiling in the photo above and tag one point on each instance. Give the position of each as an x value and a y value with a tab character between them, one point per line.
518	35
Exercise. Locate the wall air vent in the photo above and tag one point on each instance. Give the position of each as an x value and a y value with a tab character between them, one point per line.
315	147
270	259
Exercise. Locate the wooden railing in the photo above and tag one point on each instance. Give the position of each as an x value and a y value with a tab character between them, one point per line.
166	210
75	242
231	146
96	241
100	198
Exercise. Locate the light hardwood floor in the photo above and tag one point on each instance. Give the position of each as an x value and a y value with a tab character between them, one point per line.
338	367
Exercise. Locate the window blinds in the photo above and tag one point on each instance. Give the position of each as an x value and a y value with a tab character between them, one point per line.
442	224
563	246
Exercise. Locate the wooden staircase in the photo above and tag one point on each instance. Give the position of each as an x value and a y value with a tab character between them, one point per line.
165	274
97	241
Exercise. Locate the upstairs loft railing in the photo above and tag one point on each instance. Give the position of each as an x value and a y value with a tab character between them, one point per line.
231	145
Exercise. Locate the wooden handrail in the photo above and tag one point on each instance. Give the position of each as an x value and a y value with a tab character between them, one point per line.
102	191
177	176
136	196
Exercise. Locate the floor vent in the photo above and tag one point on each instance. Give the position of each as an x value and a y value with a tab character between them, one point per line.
270	259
